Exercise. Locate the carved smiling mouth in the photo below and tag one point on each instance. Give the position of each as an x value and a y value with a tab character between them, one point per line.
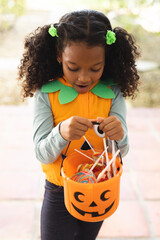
93	214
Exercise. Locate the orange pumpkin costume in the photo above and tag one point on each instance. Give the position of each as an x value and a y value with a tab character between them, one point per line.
88	105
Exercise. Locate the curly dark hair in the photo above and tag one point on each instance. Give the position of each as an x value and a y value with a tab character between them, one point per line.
39	63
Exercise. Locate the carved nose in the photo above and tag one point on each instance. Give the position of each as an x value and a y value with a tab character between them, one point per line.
93	204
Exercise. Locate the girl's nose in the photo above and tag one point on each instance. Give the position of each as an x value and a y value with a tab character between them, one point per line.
84	78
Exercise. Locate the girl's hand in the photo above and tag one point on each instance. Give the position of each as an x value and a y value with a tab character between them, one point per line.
112	127
74	127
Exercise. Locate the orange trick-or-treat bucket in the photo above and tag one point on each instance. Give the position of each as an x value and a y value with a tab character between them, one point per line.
90	201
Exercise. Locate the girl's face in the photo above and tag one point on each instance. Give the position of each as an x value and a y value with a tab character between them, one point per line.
82	65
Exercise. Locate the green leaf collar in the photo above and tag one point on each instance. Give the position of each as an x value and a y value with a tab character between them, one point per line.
68	94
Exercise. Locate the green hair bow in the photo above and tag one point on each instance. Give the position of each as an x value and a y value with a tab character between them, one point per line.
110	37
53	31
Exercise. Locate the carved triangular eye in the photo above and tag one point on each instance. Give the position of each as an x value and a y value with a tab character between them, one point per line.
85	146
93	204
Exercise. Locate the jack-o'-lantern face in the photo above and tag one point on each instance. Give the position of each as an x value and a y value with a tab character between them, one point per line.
90	202
95	206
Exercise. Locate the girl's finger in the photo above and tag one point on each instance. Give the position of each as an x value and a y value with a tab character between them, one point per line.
115	134
99	119
84	121
81	127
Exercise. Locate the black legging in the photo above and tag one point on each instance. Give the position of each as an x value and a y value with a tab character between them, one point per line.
56	221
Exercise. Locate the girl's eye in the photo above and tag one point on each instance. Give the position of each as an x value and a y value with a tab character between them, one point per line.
96	70
73	70
77	69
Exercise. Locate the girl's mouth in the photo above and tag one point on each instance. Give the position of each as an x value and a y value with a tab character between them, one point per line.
82	88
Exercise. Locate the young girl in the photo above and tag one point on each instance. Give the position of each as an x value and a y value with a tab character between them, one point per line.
79	70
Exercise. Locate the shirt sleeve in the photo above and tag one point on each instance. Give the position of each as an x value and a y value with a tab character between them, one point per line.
118	109
47	139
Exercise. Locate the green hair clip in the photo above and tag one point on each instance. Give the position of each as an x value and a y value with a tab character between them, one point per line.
53	31
110	37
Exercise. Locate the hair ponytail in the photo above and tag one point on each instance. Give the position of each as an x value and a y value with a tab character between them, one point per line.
39	61
121	61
